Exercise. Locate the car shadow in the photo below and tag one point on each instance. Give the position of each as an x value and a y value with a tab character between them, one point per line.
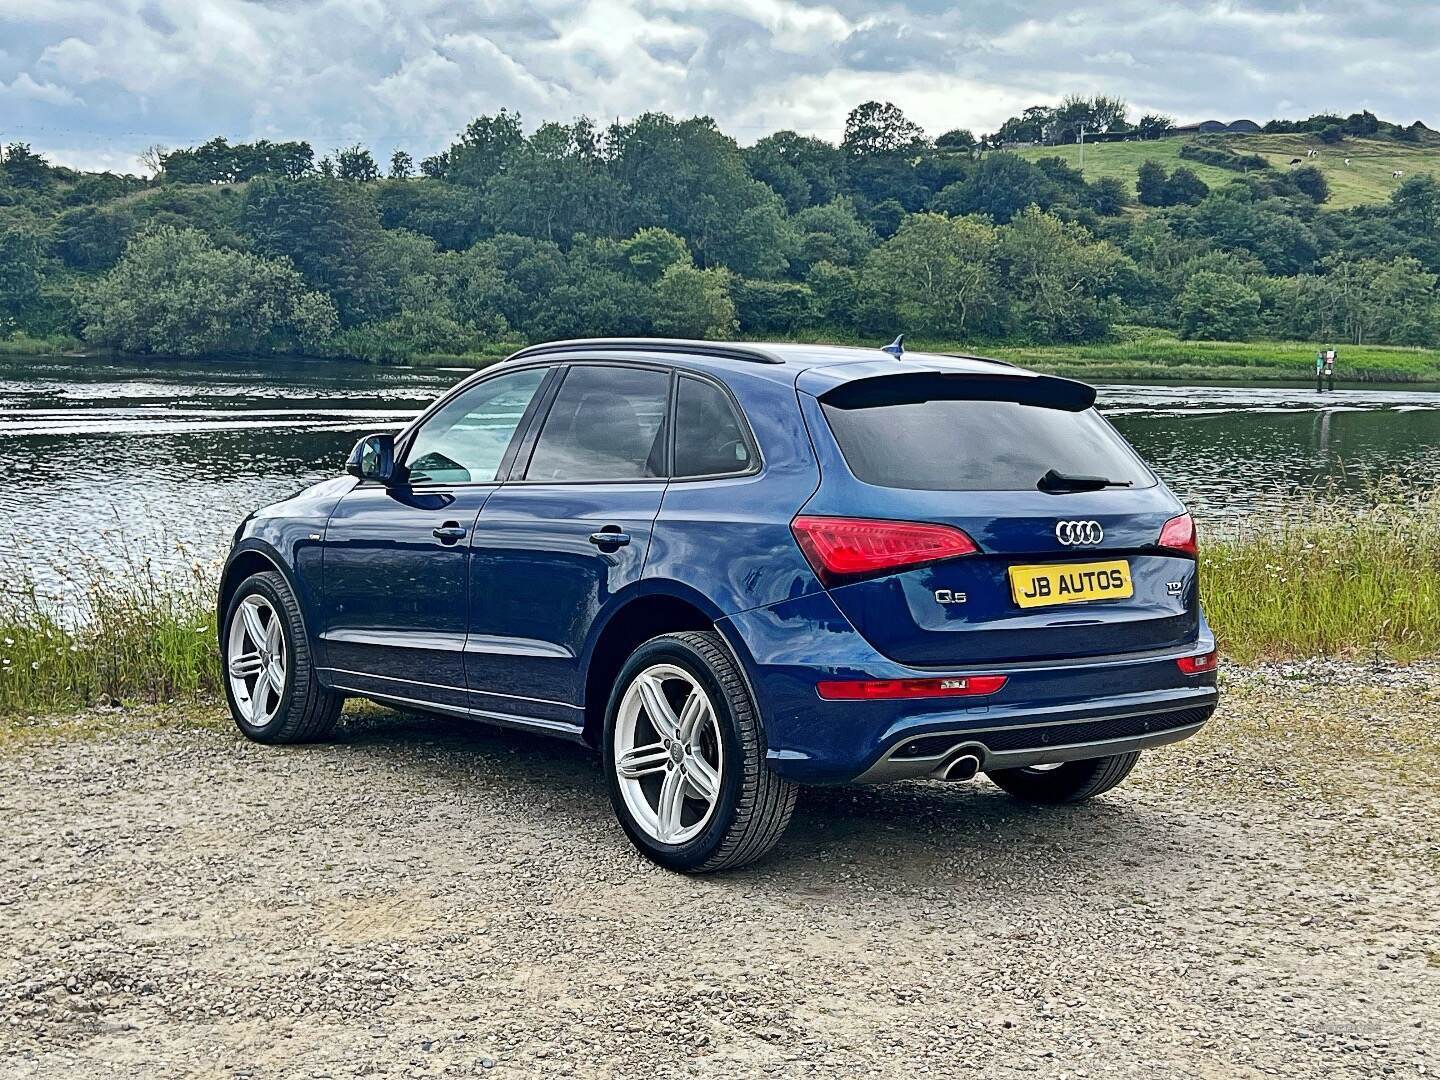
924	833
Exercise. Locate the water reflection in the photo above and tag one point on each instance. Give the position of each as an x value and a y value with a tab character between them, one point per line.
174	455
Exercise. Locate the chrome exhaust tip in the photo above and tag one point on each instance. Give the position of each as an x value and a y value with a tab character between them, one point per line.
962	767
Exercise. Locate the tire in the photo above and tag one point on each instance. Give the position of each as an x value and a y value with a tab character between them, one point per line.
302	710
666	765
1071	782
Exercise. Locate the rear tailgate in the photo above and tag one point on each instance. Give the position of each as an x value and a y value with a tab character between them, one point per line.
1058	574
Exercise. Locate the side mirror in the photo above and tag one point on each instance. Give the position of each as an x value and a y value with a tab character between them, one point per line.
373	458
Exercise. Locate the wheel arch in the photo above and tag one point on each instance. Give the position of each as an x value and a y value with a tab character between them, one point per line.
253	557
646	613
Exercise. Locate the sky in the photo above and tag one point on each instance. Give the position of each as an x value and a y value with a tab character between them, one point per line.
91	83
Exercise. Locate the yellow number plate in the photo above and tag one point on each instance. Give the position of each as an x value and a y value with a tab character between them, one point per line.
1070	583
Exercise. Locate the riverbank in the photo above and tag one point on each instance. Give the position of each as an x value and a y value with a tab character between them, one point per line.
1156	356
1256	900
1323	579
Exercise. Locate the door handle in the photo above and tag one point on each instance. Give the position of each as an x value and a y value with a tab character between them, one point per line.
610	536
448	533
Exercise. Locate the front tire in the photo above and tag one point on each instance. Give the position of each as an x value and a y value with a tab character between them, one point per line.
1071	782
270	679
685	758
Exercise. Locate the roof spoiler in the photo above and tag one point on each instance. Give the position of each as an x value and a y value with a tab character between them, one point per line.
910	388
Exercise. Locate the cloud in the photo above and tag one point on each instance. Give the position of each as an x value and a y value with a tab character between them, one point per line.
103	78
25	88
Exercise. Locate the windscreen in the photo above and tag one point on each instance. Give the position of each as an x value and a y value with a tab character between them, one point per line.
953	438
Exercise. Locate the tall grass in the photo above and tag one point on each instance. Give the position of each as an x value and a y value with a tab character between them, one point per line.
1329	577
86	632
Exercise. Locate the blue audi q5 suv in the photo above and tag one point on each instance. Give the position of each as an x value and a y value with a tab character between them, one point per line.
737	568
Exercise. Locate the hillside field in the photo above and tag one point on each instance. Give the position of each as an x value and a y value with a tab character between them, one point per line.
1367	179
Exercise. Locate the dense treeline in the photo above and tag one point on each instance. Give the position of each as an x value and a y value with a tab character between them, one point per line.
667	226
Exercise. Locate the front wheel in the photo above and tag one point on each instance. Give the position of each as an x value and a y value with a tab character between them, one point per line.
270	681
685	758
1068	782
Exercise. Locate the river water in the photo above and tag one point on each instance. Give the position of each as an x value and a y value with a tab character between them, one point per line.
166	458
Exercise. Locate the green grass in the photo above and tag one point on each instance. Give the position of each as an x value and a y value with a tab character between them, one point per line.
102	635
22	344
1331	578
1156	354
1167	357
1367	179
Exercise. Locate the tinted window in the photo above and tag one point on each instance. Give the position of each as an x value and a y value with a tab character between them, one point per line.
709	437
465	440
607	423
978	445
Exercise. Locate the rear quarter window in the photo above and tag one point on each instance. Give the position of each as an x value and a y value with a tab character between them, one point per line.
970	444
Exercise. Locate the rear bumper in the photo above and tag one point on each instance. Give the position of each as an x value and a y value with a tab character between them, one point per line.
1035	743
1046	712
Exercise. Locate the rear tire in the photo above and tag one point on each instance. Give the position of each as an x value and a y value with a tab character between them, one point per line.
1071	782
270	681
685	758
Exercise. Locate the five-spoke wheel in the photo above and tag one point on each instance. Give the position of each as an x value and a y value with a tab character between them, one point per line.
668	753
256	659
685	755
270	681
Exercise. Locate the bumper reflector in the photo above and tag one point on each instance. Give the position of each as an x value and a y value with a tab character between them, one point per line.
883	689
1198	665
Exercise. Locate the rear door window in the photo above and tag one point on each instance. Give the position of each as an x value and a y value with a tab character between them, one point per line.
710	437
959	442
606	423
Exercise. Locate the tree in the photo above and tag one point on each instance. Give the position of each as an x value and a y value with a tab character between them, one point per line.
832	233
1416	205
175	292
1151	182
1218	308
956	139
935	276
485	149
1000	187
23	168
402	165
879	128
802	170
356	163
1155	126
330	231
691	303
771	307
556	186
651	252
1107	196
452	216
1184	187
22	272
1311	182
1060	279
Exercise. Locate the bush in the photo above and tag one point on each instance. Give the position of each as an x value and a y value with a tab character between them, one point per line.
1217	308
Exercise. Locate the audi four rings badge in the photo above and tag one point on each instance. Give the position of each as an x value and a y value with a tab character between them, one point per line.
1075	533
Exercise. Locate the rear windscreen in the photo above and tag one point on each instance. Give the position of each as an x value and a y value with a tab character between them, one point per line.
964	444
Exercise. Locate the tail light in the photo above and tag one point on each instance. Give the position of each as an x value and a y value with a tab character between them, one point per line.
1199	665
1178	534
839	547
889	689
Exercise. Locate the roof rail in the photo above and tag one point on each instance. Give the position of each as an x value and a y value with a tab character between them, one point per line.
723	350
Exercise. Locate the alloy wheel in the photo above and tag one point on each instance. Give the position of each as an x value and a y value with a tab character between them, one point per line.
669	757
256	660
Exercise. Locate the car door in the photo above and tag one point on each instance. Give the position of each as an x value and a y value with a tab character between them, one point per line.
567	532
396	556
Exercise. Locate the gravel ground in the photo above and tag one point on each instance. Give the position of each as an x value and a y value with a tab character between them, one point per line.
425	898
